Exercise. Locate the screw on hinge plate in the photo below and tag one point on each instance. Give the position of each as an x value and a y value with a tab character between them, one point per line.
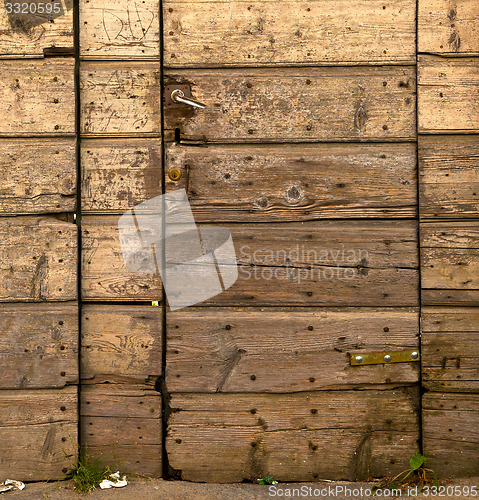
375	358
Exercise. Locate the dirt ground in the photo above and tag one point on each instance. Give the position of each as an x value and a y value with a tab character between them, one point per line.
181	490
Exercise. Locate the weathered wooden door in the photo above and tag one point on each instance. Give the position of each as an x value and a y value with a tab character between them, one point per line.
306	153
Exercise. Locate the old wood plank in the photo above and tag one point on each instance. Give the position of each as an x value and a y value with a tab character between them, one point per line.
119	174
272	33
122	422
38	432
448	28
119	99
38	345
450	259
285	350
38	97
104	274
283	264
296	104
120	29
297	182
447	95
121	341
37	176
450	433
450	339
29	35
449	176
38	259
292	437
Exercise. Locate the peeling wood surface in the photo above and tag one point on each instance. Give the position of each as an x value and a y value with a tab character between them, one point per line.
451	433
38	259
450	260
120	29
104	274
448	28
286	350
297	104
264	183
386	253
28	35
449	176
274	33
38	97
447	95
38	345
230	437
37	176
120	98
450	348
123	423
121	341
38	432
119	174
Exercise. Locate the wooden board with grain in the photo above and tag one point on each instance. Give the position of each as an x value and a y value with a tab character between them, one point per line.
120	30
38	345
38	97
295	104
334	263
451	433
119	174
120	99
31	35
38	432
285	350
264	183
449	176
121	342
122	422
450	262
448	28
447	95
235	437
38	259
290	33
37	176
450	348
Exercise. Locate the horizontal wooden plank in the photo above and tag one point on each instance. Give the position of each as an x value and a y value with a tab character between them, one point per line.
296	104
447	95
449	297
119	174
38	259
284	264
448	28
450	257
292	437
250	350
263	183
449	176
122	422
38	345
119	99
119	30
272	33
450	433
121	341
38	432
38	97
29	35
37	176
450	353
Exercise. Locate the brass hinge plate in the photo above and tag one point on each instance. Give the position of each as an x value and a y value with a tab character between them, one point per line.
359	358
